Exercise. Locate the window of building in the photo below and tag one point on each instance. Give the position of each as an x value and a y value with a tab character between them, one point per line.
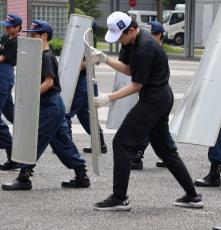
57	16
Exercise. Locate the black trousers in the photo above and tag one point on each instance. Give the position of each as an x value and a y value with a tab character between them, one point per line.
150	118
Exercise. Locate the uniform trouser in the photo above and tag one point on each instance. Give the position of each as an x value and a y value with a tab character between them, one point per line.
6	84
149	118
53	130
7	106
214	153
143	147
5	136
80	108
8	110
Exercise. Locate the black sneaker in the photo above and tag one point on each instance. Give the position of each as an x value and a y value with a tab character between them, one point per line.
136	165
113	204
10	165
161	164
17	185
190	202
89	150
76	183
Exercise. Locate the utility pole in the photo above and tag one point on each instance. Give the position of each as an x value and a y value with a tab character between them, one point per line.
160	11
71	6
189	28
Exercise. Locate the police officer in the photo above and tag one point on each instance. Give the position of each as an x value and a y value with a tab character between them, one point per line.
143	59
80	108
213	177
157	31
79	105
53	127
8	52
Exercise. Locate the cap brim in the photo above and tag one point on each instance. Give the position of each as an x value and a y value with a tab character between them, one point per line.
31	31
7	24
112	37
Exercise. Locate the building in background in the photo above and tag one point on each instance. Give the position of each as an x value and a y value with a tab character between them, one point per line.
53	11
56	13
19	7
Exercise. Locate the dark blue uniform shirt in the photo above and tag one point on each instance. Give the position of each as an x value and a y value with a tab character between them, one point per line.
50	68
8	48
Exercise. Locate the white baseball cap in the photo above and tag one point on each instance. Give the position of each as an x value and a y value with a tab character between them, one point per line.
117	22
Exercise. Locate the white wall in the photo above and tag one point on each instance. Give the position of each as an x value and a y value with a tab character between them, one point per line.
205	14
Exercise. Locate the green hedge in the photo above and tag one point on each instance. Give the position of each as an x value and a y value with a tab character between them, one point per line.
56	46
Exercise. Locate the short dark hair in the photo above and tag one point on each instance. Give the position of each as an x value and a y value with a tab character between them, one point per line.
133	24
19	28
49	35
161	35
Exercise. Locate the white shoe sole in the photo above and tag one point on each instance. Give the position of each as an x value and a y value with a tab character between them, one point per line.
115	208
189	205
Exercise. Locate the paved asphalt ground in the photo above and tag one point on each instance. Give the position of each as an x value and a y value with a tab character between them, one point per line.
152	191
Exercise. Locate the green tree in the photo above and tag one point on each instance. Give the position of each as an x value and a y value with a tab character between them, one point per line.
78	11
89	7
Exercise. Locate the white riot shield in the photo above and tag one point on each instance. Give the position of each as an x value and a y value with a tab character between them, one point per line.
120	108
27	100
95	137
198	118
71	56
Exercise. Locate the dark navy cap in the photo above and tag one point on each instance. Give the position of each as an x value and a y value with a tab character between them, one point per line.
157	27
40	26
11	20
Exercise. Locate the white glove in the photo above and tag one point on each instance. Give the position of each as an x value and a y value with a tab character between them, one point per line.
98	57
101	100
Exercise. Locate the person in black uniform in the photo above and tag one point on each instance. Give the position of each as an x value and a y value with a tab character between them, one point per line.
53	127
8	52
157	31
80	108
79	104
143	59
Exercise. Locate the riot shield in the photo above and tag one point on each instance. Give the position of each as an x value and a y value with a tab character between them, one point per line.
120	108
71	56
198	119
95	138
27	100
